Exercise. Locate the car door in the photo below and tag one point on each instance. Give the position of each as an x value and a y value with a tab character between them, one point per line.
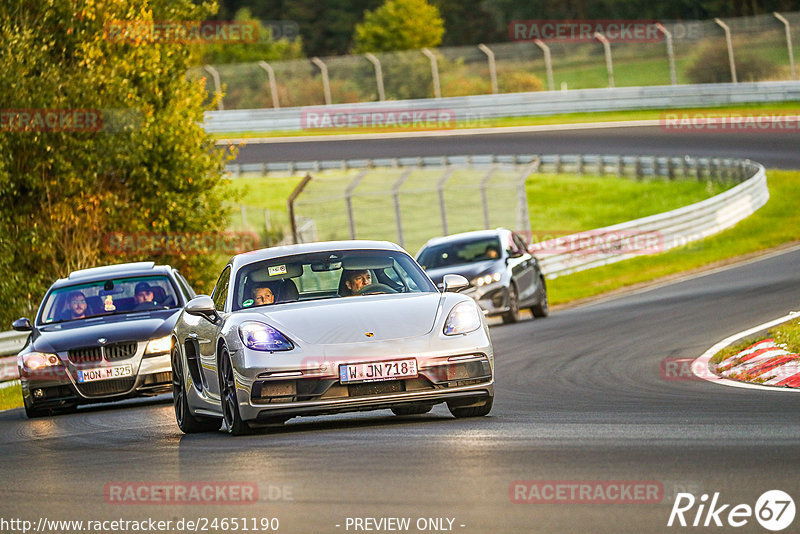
207	333
525	272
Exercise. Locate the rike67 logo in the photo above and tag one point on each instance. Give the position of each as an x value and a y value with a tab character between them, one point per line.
774	510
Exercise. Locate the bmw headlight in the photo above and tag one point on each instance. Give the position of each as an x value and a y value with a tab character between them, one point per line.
39	360
487	279
463	318
260	336
160	345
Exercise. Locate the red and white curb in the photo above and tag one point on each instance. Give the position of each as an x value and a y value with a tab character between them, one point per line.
764	359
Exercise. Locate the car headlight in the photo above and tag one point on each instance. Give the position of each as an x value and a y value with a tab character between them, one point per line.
162	344
487	279
260	336
39	360
463	318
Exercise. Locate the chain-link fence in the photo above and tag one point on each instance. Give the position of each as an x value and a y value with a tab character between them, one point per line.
761	48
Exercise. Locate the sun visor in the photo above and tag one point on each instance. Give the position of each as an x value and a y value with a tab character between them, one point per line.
279	271
367	262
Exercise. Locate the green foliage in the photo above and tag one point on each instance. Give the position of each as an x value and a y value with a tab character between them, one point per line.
264	49
152	170
712	65
399	25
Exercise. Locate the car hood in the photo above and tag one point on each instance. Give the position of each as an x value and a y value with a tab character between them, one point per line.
60	337
467	270
351	319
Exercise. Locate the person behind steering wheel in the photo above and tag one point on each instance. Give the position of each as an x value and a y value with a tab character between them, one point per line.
354	281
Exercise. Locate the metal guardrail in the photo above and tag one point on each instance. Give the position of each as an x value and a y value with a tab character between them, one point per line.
472	109
10	344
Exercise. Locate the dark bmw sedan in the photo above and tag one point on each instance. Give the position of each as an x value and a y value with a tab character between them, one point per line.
101	334
504	277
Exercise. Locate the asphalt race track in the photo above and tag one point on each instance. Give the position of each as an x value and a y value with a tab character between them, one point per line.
580	397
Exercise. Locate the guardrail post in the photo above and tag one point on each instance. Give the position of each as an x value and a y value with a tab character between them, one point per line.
492	67
217	85
580	164
670	169
729	42
273	86
637	165
326	85
378	75
609	65
548	63
673	78
485	198
437	90
348	200
788	41
290	205
440	190
396	200
620	166
557	164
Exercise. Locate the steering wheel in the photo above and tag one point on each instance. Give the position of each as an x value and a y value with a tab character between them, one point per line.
374	289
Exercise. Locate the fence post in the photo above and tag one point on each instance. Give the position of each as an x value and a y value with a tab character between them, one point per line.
348	200
437	90
440	189
524	222
548	63
788	41
396	199
673	78
273	86
217	85
326	85
492	66
378	75
609	65
729	41
290	205
485	198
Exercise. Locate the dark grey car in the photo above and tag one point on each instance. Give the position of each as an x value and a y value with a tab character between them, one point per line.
101	334
504	277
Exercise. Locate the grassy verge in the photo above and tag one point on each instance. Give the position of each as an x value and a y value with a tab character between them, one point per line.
567	118
11	397
787	333
774	224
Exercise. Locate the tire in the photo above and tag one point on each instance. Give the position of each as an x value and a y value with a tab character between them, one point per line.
542	308
227	394
34	413
187	421
471	411
417	409
512	315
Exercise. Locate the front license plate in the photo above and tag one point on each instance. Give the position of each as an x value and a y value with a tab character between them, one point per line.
376	371
105	373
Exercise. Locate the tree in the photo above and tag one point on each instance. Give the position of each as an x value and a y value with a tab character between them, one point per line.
143	165
399	25
266	48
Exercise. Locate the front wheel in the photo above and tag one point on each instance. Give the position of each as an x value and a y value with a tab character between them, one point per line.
471	411
512	315
32	412
230	402
541	308
187	421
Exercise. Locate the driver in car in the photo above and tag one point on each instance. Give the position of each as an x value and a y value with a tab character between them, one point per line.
356	280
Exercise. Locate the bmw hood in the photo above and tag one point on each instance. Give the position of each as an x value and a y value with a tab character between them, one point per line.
353	319
60	337
467	270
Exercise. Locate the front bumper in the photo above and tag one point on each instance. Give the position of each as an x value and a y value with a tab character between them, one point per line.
492	298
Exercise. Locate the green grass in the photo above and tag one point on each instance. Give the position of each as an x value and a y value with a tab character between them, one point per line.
787	333
11	397
566	118
776	223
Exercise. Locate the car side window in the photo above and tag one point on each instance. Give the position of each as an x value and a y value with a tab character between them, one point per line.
220	293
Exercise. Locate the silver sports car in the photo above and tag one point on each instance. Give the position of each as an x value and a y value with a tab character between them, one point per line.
324	328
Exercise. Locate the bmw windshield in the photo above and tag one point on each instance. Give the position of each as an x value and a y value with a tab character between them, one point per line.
459	253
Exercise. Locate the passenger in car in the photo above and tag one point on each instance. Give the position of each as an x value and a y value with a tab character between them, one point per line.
76	306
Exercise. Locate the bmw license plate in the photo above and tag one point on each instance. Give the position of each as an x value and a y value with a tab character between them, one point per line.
376	371
105	373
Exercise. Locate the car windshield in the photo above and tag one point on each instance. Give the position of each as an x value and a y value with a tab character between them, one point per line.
331	274
108	297
460	252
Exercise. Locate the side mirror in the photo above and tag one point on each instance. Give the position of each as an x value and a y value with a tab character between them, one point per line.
454	283
202	306
23	324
